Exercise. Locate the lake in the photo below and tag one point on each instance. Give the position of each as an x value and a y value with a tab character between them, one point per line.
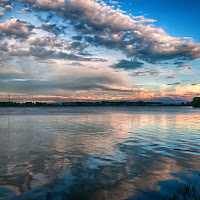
97	152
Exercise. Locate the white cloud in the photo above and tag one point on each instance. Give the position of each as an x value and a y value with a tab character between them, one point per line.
115	29
16	27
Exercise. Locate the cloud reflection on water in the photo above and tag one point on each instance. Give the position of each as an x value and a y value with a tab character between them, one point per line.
115	155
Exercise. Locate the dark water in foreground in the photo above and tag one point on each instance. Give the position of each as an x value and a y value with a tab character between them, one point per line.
97	153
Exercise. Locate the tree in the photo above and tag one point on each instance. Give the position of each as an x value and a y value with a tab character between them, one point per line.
196	102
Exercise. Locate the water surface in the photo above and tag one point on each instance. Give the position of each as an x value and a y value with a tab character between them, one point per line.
97	153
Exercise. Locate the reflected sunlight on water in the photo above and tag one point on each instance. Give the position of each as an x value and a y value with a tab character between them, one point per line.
96	153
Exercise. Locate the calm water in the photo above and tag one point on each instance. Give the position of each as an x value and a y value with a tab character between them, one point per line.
97	153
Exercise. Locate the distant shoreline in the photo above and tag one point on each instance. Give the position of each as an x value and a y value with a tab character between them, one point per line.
90	104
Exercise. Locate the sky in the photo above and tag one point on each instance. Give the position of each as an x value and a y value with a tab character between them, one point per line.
85	50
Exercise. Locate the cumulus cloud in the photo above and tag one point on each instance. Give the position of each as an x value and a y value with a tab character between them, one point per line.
16	27
45	41
8	7
93	23
24	10
127	65
7	4
186	91
115	29
44	53
77	45
45	48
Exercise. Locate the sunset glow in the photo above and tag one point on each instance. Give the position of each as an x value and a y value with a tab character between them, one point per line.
88	50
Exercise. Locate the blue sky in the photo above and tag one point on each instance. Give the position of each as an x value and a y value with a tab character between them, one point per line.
80	50
180	18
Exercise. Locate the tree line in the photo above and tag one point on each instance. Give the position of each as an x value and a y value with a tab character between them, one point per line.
94	103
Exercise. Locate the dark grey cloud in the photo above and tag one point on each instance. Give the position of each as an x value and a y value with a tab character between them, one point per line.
80	46
190	67
4	47
10	76
133	46
53	28
174	83
4	76
178	63
170	77
150	72
62	82
75	64
127	65
77	37
48	87
106	42
183	65
45	18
